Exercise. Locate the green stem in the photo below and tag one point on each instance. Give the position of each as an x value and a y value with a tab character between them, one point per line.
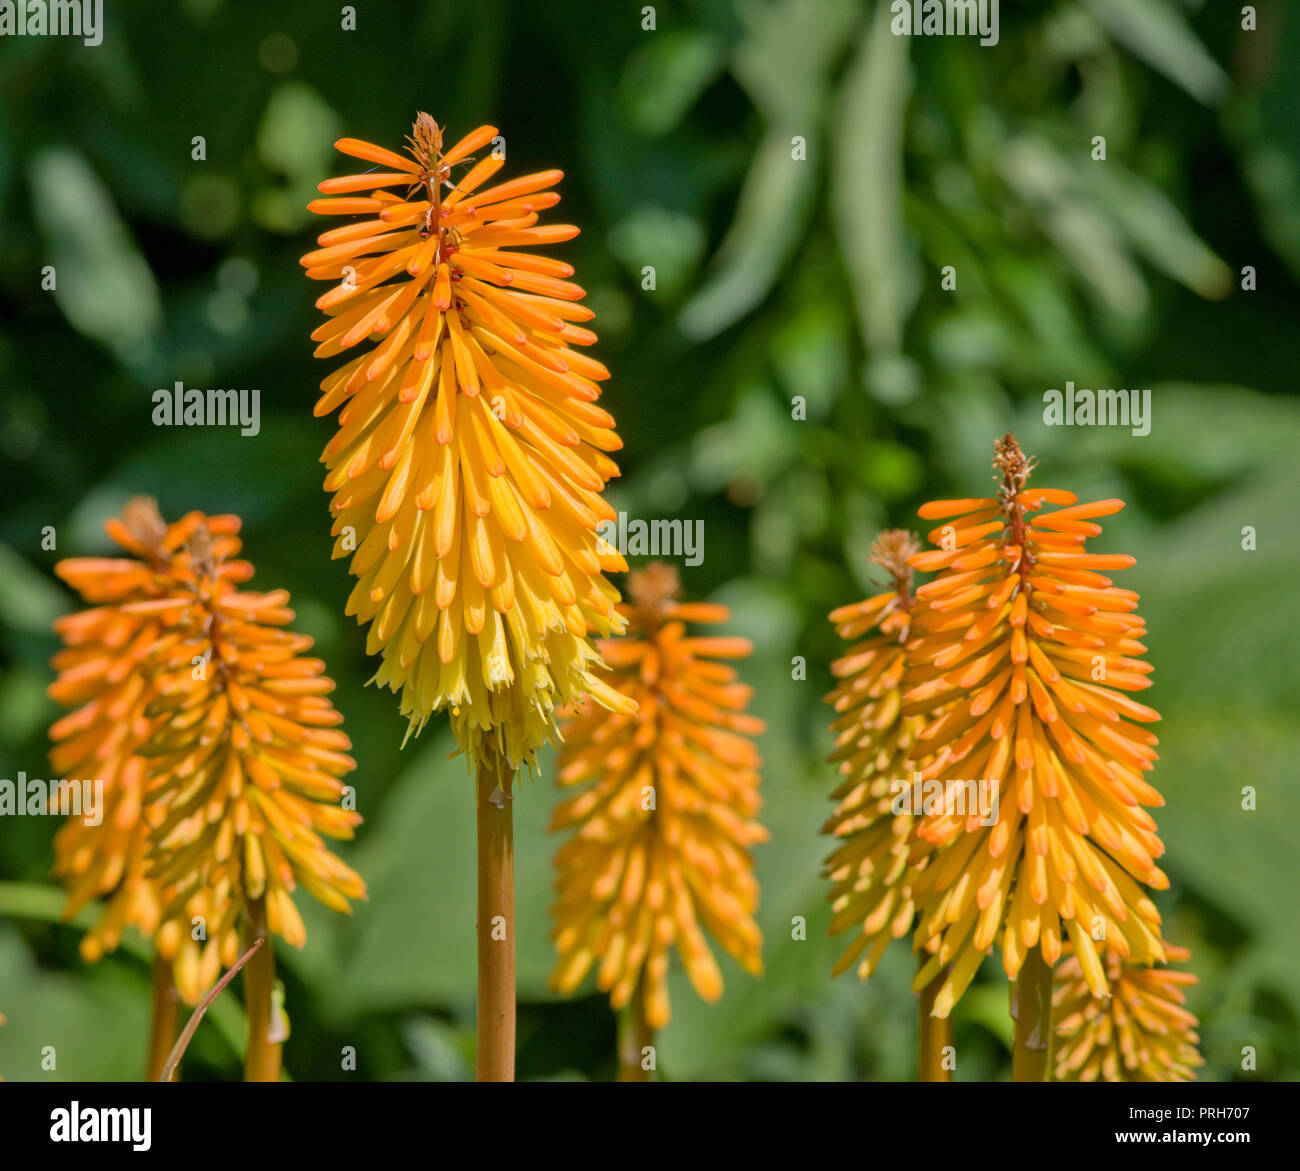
1031	1009
496	923
262	1055
162	1024
634	1035
936	1032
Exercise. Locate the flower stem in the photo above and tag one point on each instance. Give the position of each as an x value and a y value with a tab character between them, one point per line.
1031	1009
634	1034
162	1027
262	1057
936	1032
496	923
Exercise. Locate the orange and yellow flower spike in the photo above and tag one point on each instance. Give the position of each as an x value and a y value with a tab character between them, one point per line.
871	867
101	670
101	676
873	748
1022	657
247	757
232	750
467	475
470	458
1142	1032
665	819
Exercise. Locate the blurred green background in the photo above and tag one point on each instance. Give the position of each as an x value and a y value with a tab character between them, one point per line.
774	278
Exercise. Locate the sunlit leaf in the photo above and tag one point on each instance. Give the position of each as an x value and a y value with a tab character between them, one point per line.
867	185
1157	31
103	285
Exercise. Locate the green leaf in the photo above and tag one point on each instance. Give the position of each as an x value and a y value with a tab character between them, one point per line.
79	1013
1157	32
295	140
1157	229
774	208
867	185
103	285
670	241
93	1027
782	62
1243	862
1071	219
783	58
438	1050
663	79
754	442
28	600
1261	121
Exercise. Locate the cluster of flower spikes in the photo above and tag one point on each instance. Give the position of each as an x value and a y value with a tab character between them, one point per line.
213	738
1021	659
100	674
665	820
470	458
874	742
245	759
1141	1032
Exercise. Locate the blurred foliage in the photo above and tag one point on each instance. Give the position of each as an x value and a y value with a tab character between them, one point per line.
774	278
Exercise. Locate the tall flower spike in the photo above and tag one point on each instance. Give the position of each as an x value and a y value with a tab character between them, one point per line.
873	748
101	675
245	758
471	455
1142	1032
665	821
1021	656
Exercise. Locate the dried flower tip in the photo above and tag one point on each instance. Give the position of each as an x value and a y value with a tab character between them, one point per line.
1013	466
144	522
426	140
655	587
891	551
200	547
